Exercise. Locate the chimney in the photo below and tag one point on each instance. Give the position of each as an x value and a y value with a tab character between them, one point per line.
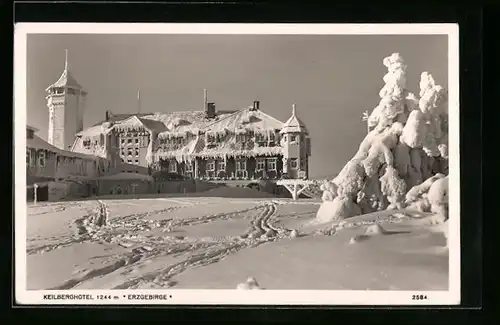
210	111
205	98
108	116
256	105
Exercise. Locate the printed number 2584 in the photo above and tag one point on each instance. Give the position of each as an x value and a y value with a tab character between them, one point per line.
419	297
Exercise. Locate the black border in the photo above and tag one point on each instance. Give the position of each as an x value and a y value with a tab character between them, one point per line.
470	23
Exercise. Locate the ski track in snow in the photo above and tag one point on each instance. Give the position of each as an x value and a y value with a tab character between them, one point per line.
201	251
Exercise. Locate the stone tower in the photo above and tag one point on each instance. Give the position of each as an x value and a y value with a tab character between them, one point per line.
296	147
66	103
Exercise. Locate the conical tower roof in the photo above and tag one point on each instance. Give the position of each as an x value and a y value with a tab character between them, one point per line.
294	124
66	79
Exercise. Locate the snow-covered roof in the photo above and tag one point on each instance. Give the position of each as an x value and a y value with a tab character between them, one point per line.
294	124
245	119
94	131
40	144
65	80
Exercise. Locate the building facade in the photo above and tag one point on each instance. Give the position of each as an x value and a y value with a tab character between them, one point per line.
59	173
206	144
229	145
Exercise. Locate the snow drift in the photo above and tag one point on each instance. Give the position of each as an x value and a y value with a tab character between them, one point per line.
403	160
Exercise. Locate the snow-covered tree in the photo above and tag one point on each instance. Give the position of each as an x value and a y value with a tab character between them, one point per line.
406	144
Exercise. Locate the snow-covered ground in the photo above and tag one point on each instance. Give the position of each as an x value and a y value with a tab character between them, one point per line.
218	242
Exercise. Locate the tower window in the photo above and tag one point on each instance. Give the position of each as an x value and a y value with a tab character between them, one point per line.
293	163
130	152
136	141
293	138
136	152
70	91
129	161
129	141
137	161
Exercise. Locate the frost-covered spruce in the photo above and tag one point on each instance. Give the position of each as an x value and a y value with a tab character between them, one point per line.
407	142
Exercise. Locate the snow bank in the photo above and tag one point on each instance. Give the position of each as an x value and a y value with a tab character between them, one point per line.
236	192
250	284
407	142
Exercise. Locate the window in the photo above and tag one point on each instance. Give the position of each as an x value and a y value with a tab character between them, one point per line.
130	152
137	152
210	165
123	141
272	137
41	158
261	164
271	164
101	139
303	163
172	167
260	137
136	141
137	161
240	138
28	156
129	161
221	165
210	138
123	153
293	163
241	165
129	141
189	167
293	138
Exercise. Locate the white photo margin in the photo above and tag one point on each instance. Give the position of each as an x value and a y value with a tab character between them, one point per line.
231	297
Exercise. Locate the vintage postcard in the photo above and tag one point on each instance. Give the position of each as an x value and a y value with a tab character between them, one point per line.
256	164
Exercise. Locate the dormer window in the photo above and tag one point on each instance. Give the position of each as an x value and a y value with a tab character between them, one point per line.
30	134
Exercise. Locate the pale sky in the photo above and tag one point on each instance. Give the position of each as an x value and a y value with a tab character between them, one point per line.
332	79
